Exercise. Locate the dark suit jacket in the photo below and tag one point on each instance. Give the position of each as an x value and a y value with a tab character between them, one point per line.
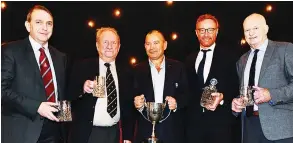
22	91
171	130
83	105
223	69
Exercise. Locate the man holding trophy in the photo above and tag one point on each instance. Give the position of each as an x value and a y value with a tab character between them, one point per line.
161	89
213	84
99	87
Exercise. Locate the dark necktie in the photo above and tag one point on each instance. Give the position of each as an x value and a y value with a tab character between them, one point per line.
201	66
249	109
111	92
46	73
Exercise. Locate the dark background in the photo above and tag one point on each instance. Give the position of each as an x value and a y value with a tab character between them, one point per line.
73	36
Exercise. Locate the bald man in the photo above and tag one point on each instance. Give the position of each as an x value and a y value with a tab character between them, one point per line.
268	67
160	79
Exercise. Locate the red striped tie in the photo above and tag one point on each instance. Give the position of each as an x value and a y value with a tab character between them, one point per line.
47	76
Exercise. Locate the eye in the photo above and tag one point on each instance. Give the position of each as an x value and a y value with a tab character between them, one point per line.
50	23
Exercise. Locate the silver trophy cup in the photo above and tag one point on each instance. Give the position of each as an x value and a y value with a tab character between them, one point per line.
155	115
99	87
207	98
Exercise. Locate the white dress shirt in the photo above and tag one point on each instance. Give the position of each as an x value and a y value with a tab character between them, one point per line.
36	46
208	62
101	116
158	79
260	56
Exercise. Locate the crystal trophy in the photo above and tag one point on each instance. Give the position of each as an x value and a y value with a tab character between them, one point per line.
207	98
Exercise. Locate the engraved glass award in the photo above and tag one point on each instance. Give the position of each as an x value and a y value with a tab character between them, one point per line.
207	98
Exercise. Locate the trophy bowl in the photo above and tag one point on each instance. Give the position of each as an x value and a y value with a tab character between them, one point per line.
155	111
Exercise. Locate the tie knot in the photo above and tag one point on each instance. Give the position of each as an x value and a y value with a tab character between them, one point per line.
205	51
41	50
107	65
256	51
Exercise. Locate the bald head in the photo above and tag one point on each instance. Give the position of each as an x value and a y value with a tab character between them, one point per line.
255	18
255	30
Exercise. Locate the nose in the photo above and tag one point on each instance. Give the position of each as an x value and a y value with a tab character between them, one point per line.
45	27
251	32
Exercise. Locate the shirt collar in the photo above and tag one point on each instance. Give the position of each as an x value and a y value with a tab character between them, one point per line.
36	46
102	62
161	66
212	47
262	47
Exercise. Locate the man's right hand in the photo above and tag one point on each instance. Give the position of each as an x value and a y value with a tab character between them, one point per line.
237	105
46	110
88	86
139	101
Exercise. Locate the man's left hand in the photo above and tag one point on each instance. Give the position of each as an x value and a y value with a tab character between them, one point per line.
171	102
218	97
261	95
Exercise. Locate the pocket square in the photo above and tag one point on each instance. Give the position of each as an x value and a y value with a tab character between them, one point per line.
176	84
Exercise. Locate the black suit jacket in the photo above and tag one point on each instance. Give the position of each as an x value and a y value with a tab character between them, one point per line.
223	69
170	130
83	105
22	91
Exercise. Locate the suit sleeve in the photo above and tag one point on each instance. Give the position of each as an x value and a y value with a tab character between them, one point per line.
284	94
20	102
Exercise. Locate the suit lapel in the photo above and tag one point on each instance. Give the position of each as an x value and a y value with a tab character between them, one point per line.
168	70
149	83
57	67
33	65
267	58
243	65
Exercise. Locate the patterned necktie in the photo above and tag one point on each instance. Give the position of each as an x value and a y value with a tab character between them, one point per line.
47	76
201	66
249	109
111	92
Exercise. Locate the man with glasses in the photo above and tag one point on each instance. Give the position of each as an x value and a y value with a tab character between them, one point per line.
270	119
212	123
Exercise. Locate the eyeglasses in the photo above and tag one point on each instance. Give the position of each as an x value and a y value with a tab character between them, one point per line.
209	30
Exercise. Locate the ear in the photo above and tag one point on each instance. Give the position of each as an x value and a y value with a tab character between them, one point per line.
118	48
267	29
165	45
196	33
97	45
217	31
27	26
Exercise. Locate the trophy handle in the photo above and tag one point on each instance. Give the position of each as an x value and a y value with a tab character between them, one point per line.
168	112
143	112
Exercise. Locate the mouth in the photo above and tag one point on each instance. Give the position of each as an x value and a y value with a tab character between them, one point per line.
252	38
45	34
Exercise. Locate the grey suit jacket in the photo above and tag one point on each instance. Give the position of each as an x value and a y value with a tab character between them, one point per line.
276	74
22	91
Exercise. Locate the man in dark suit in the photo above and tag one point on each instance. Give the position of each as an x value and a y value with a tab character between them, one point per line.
212	123
158	80
268	67
32	80
97	119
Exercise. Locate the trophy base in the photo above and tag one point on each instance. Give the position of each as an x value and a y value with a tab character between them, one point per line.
152	140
